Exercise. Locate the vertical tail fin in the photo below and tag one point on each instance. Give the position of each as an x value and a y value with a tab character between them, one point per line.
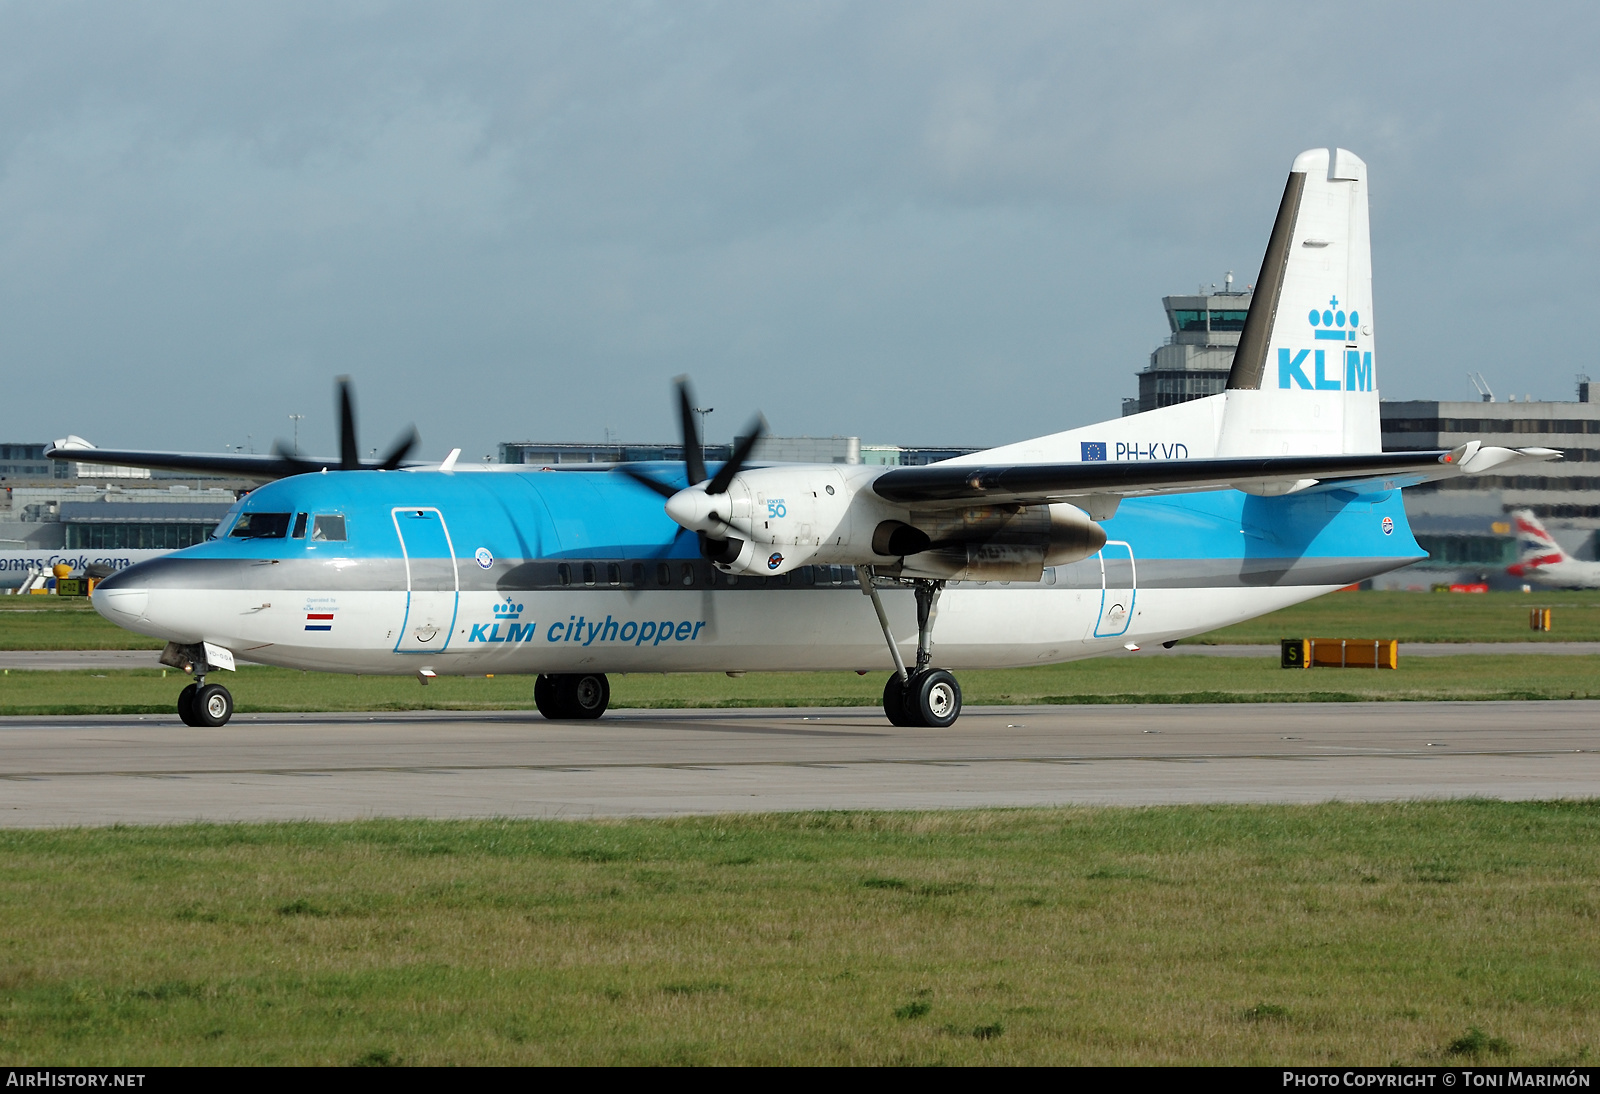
1535	546
1303	380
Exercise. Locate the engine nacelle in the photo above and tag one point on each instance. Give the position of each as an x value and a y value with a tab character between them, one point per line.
775	519
1008	543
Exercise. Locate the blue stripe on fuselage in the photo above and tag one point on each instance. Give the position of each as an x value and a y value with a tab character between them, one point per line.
567	514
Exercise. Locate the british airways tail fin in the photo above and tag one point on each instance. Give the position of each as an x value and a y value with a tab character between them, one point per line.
1535	546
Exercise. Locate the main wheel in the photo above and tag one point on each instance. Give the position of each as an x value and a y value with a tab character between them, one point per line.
186	705
933	698
213	706
565	696
584	695
894	702
544	697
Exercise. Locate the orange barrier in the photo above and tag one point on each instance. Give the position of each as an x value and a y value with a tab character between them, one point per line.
1340	653
1539	619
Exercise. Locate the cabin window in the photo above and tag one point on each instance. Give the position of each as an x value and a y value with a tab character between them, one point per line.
638	574
328	528
261	526
588	573
686	571
299	526
1049	575
663	574
564	574
614	573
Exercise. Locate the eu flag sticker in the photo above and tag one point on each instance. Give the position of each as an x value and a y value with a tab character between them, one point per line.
1094	450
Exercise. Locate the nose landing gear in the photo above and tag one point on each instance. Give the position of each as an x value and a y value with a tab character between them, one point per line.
926	696
575	695
204	705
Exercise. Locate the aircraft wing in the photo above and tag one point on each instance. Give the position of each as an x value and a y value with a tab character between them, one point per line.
230	465
946	486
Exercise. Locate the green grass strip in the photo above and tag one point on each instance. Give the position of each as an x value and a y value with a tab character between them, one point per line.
1424	933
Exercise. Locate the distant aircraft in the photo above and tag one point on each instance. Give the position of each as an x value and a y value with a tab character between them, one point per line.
1543	560
1141	529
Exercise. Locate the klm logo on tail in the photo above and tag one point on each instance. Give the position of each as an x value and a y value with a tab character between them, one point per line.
1329	325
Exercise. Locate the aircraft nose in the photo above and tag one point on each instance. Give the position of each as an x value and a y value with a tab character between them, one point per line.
121	598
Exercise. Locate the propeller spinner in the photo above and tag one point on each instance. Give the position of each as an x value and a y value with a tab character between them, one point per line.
703	507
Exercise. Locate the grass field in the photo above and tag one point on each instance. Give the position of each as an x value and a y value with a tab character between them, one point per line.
62	623
1424	933
1124	678
51	623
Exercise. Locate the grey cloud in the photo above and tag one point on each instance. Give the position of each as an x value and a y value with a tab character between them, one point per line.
913	222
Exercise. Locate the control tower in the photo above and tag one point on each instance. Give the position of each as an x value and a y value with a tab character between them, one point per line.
1195	360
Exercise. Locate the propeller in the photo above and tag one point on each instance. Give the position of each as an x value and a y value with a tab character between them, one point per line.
697	505
349	448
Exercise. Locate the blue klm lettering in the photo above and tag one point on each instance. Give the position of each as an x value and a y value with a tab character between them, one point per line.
1324	381
487	632
1290	368
1357	370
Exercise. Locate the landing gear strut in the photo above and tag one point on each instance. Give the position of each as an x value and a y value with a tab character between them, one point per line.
564	696
924	696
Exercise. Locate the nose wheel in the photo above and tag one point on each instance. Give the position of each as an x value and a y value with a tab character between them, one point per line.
570	696
205	706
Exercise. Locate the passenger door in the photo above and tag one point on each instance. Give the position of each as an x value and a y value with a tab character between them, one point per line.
1118	587
432	584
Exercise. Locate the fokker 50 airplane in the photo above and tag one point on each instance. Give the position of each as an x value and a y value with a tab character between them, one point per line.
1545	561
1143	529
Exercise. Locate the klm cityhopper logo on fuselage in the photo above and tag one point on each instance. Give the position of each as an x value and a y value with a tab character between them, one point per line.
1328	325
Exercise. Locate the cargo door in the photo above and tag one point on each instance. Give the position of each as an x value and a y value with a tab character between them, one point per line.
432	585
1118	587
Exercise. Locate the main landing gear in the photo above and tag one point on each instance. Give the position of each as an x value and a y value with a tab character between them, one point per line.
204	705
924	696
570	695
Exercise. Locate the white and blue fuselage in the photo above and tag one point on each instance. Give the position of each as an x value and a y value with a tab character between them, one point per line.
567	572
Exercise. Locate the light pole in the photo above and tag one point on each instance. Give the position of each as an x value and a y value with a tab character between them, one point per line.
296	419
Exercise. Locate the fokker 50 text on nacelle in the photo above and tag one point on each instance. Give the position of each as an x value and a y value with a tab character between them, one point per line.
1544	561
1138	530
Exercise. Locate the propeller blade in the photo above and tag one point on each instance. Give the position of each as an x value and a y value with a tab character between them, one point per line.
694	454
349	450
399	450
645	480
293	465
755	431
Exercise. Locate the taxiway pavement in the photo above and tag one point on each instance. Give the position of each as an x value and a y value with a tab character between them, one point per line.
151	769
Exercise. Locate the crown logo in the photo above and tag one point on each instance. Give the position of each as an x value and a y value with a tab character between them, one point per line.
506	610
1330	322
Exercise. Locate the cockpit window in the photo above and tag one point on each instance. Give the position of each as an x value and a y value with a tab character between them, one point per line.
227	520
261	526
328	527
299	527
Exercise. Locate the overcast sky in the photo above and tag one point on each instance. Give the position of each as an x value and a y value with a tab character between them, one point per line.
917	223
